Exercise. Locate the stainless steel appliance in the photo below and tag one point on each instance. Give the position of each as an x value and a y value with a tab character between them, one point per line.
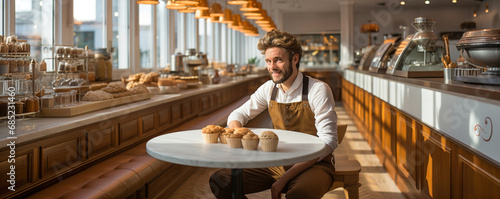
368	54
418	55
382	55
480	48
177	63
192	60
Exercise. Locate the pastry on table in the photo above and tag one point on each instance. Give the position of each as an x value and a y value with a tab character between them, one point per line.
250	141
223	135
242	130
234	140
268	141
210	133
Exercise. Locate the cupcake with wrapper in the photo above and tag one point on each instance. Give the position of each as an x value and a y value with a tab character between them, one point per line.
268	141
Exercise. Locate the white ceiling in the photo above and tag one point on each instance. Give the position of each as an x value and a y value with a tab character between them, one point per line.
311	6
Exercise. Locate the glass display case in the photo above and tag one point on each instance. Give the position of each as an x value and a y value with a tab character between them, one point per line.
18	81
320	49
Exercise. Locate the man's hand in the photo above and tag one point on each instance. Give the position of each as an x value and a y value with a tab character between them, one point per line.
234	124
276	189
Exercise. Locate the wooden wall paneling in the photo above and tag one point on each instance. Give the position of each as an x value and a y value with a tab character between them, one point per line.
164	117
187	109
406	148
196	105
176	113
377	122
212	101
99	140
205	103
435	166
128	131
60	156
388	139
148	123
16	168
368	102
218	99
476	177
367	105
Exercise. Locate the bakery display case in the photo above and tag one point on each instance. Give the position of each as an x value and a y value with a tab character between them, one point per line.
18	79
320	49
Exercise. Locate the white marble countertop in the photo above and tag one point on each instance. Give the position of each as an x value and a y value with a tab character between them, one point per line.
188	148
36	128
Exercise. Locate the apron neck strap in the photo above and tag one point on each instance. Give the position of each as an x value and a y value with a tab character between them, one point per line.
305	89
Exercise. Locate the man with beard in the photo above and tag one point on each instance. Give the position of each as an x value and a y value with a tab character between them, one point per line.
295	102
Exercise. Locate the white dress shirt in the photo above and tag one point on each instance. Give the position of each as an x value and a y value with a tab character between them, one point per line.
321	102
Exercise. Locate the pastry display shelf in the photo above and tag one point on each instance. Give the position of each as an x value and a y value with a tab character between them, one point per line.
89	106
15	54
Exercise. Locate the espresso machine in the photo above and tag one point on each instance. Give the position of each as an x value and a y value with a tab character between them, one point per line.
418	55
481	49
192	61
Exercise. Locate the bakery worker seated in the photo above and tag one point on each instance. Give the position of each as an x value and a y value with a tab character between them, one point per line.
295	102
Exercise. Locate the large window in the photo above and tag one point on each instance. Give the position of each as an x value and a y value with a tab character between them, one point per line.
89	23
34	23
121	34
139	38
146	35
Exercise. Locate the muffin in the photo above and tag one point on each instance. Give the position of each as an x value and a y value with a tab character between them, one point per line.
234	140
269	141
242	130
211	133
224	134
250	141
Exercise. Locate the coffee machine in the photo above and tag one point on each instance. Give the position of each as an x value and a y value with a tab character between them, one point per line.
481	49
418	55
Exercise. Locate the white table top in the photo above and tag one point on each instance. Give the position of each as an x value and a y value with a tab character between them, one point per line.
188	148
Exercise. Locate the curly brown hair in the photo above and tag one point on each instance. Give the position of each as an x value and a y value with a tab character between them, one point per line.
278	38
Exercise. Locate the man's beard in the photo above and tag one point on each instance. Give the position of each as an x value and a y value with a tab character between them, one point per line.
287	74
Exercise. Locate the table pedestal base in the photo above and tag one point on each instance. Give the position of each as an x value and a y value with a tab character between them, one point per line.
237	183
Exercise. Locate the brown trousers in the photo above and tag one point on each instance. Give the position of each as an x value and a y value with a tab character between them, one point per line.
312	183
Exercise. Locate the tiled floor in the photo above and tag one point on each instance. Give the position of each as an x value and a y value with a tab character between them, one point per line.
375	182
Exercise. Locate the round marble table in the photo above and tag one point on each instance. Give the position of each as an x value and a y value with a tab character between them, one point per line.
188	148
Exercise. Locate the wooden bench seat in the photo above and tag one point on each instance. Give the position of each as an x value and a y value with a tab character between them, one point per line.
125	174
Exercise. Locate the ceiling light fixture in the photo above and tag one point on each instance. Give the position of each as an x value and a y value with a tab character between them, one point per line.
238	2
486	10
454	1
216	10
149	2
475	13
427	2
252	6
402	3
175	6
188	2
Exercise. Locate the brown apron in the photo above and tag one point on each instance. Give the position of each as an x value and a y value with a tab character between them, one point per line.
296	116
311	183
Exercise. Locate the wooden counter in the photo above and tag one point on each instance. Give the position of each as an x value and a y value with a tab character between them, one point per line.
436	140
49	149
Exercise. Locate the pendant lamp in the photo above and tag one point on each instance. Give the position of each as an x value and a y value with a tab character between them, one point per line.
369	28
187	2
149	2
250	6
175	6
202	5
202	14
227	17
238	2
216	10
